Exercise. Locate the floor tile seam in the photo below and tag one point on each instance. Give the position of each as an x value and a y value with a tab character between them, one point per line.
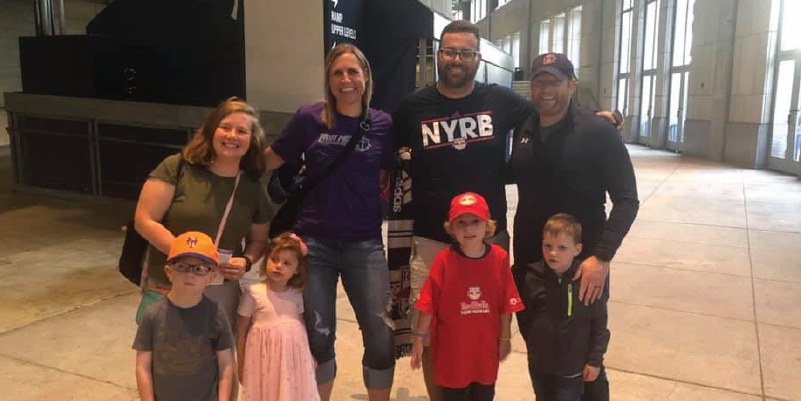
673	171
781	326
754	302
688	382
775	280
697	224
681	268
686	242
689	312
66	312
690	196
66	372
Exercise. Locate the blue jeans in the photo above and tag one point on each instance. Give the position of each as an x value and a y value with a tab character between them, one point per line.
365	277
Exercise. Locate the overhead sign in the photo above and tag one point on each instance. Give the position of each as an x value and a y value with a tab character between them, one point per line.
343	21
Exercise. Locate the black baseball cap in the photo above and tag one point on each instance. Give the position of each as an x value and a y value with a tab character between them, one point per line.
553	63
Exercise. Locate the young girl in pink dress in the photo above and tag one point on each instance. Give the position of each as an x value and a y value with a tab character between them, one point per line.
272	347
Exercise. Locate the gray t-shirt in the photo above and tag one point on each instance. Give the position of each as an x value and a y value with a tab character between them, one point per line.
184	343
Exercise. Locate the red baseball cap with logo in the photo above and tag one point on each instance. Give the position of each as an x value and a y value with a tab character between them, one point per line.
193	244
469	202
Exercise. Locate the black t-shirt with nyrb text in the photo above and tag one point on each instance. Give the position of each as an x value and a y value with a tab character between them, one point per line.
458	145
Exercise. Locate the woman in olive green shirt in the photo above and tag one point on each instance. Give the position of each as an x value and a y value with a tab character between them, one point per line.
193	194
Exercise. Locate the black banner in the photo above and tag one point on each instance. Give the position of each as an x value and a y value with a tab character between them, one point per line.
342	21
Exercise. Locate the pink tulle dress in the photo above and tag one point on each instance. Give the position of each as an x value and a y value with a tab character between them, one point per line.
278	363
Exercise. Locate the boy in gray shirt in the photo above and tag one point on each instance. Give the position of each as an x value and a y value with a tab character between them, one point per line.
184	343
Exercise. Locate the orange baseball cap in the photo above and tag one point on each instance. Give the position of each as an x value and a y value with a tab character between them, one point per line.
469	202
193	244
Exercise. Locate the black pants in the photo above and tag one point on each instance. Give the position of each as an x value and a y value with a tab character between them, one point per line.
473	392
549	387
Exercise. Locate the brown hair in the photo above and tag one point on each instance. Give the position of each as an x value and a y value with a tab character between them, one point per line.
330	104
286	242
462	26
200	150
490	228
563	223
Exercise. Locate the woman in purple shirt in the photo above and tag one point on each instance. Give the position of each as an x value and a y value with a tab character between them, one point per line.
340	219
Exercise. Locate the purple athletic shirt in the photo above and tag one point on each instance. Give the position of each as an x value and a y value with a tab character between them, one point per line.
346	204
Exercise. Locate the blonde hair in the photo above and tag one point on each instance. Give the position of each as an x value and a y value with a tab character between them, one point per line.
200	149
284	242
491	225
330	104
563	223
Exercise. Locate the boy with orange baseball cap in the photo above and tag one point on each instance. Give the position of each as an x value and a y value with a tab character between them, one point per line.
184	345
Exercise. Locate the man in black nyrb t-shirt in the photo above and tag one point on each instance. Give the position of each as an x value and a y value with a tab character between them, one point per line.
565	159
456	133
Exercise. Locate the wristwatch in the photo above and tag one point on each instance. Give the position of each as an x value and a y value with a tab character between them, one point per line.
248	263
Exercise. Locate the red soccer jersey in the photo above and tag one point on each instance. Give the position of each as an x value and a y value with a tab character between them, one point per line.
466	297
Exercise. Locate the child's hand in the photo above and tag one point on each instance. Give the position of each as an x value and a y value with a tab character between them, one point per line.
504	348
590	373
417	353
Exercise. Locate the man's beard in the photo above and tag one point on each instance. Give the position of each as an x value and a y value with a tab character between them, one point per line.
456	83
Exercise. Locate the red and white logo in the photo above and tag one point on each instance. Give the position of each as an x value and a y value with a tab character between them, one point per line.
549	58
468	200
476	304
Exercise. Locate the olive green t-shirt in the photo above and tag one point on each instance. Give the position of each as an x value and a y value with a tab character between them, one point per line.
198	205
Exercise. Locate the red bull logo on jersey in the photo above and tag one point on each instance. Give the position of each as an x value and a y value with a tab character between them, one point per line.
457	131
476	304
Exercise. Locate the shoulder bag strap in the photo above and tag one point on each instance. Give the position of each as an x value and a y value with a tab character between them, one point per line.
309	183
227	210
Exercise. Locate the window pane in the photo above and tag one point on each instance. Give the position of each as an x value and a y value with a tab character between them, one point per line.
559	34
645	106
649	55
628	4
679	32
675	101
784	94
516	48
625	42
545	36
683	115
473	10
688	37
791	29
622	95
574	39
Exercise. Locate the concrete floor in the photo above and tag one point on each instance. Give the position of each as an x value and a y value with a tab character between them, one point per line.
706	295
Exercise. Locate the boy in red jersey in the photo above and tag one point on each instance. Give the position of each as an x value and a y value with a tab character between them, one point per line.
467	301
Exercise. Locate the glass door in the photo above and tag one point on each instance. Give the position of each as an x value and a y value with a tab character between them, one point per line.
677	113
785	134
785	145
680	73
650	52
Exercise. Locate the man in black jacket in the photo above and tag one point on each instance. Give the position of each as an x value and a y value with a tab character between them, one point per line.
565	159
